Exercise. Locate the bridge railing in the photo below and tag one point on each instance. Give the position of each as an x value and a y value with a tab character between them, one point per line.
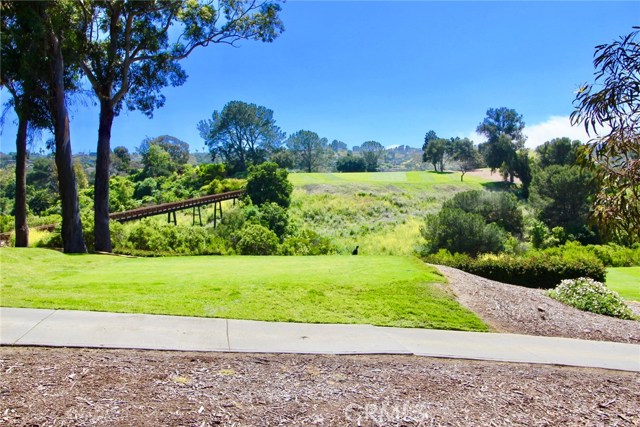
147	211
174	206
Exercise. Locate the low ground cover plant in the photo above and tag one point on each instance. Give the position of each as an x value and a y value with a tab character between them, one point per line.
590	295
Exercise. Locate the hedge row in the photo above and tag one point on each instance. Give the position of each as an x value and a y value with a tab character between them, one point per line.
532	271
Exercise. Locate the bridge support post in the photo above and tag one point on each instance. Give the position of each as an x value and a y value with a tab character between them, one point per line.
199	215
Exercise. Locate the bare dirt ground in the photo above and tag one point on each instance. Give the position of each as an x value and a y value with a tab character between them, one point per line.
82	387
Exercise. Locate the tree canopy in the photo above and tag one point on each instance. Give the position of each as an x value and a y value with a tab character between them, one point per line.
503	128
310	151
609	110
558	151
241	134
372	151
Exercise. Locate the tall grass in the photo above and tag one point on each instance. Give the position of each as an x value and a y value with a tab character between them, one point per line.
380	212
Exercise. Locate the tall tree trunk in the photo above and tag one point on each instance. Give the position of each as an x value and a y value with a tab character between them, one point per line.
101	187
21	227
72	237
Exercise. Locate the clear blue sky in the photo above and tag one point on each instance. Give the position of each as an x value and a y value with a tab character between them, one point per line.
388	71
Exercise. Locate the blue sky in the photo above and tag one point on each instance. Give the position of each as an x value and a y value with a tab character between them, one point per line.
388	71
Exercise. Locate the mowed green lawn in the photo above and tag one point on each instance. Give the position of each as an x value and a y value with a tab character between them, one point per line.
419	178
625	281
378	290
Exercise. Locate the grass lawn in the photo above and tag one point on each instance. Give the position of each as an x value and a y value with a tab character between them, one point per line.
415	178
378	290
625	281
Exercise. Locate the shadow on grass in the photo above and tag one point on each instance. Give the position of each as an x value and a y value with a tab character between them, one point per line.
499	186
440	173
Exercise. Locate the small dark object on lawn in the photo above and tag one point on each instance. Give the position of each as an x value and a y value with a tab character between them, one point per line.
355	251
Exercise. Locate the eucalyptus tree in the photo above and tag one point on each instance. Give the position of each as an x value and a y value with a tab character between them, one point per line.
609	109
22	75
132	51
38	32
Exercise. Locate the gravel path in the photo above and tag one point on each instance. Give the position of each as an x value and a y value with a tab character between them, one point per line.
515	309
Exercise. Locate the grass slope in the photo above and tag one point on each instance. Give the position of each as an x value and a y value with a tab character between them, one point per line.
382	211
389	291
625	281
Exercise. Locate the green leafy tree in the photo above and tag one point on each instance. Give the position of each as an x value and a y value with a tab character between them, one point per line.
372	152
268	183
310	151
466	154
433	150
32	71
561	196
241	134
47	26
558	151
177	149
522	169
121	160
503	128
610	112
338	146
121	194
132	51
351	163
157	162
283	158
23	77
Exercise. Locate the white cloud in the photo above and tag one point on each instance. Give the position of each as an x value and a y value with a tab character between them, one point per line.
554	127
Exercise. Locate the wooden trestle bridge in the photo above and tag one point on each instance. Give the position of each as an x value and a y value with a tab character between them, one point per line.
169	208
173	207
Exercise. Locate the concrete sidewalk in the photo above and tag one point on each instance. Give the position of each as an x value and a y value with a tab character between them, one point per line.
58	328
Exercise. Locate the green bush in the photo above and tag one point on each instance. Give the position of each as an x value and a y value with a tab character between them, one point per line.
611	255
458	231
307	242
533	270
255	239
495	207
150	236
589	295
268	183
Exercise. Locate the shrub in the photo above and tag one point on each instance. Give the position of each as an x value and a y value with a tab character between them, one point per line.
589	295
460	231
611	255
149	236
533	270
495	207
307	242
268	183
255	239
275	218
